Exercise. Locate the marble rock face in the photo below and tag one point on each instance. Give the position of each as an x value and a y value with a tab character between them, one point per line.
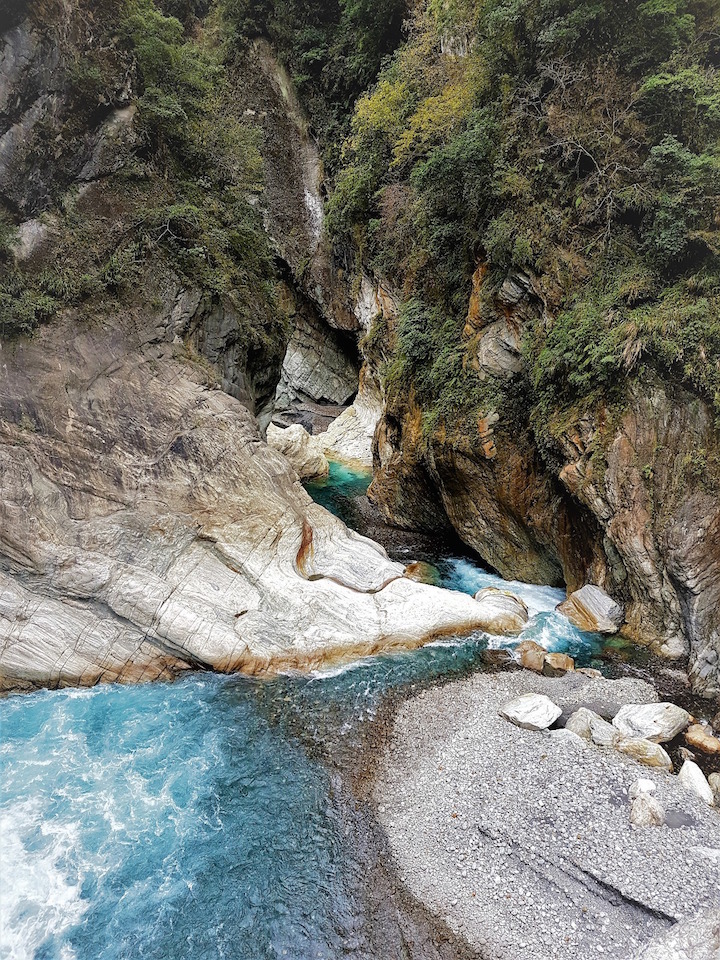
507	612
146	528
303	451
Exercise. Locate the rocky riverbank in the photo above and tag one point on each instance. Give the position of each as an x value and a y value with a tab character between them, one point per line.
521	840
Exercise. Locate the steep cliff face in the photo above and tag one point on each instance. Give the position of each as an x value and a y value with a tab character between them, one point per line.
542	189
625	498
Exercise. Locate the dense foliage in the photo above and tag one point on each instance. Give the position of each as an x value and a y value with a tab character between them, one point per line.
180	189
333	48
576	140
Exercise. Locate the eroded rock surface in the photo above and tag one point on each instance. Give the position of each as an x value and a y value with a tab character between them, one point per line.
145	527
303	451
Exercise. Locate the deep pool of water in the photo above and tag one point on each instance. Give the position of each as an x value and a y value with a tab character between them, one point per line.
196	820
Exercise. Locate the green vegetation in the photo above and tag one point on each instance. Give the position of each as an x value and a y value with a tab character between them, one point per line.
333	49
180	193
577	141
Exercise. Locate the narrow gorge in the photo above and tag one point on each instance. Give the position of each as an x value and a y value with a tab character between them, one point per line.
360	479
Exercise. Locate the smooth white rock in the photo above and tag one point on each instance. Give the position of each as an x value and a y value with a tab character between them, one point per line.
590	608
588	725
646	811
692	778
304	452
506	613
641	785
532	711
350	437
658	722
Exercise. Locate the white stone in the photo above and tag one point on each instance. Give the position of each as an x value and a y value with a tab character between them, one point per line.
350	437
532	711
647	752
303	451
641	785
692	778
505	612
646	811
658	722
588	725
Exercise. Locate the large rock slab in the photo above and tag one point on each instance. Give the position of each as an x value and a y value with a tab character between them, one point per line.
590	608
588	725
350	437
146	528
658	722
693	779
643	751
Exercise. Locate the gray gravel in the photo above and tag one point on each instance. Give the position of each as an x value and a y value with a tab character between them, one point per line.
521	841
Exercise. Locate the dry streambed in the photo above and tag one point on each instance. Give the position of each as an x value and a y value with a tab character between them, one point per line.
522	840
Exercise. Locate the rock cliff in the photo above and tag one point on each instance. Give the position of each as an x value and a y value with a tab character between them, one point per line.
146	528
626	500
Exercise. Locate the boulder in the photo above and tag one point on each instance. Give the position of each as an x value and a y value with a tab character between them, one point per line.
531	655
505	613
643	751
304	452
658	722
588	725
350	437
557	664
641	785
693	779
714	783
531	711
701	739
590	608
646	811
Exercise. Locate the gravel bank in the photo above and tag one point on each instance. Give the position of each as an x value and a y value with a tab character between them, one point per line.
521	842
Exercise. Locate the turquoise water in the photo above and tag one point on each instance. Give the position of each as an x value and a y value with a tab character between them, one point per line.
199	819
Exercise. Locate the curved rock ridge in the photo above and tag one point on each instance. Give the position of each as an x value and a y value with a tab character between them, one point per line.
145	527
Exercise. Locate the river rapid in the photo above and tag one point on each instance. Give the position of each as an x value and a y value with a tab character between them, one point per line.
203	819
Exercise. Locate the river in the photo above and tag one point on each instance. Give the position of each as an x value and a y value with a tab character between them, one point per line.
201	819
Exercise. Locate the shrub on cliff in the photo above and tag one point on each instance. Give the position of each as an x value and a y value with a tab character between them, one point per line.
578	141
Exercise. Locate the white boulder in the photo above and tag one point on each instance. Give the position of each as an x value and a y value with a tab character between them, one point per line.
532	711
646	811
505	612
641	785
658	722
692	778
304	452
590	726
643	751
